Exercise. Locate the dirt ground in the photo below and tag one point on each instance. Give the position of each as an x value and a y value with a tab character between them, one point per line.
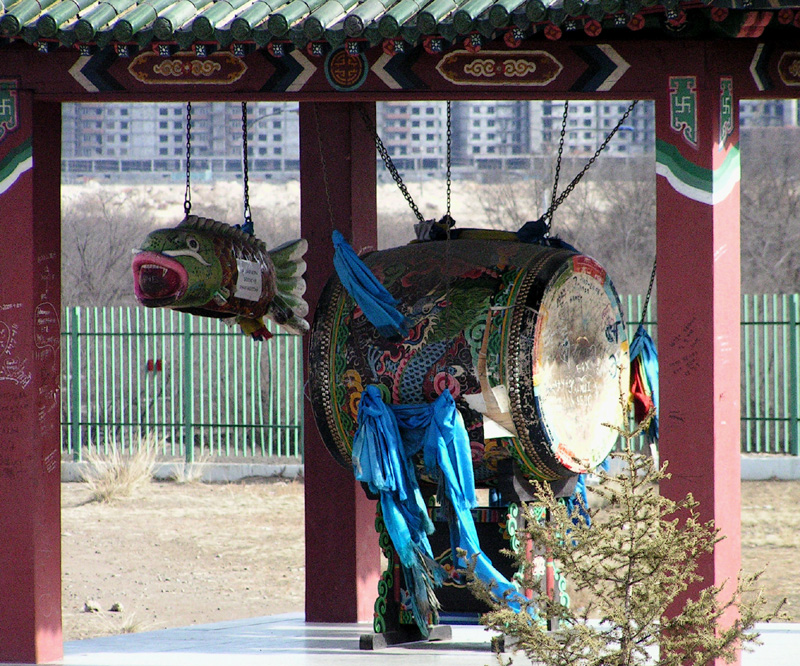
181	554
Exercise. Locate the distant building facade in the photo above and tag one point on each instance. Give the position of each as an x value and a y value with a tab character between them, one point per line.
147	142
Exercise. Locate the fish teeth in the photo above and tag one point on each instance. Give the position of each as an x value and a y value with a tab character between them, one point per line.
155	267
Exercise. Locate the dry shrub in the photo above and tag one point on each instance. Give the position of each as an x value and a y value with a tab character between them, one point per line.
189	472
117	474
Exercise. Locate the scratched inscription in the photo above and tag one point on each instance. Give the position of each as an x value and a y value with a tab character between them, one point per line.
684	347
13	368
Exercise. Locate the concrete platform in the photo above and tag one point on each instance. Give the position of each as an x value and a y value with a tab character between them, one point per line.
287	640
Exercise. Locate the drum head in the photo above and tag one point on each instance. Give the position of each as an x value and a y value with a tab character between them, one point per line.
579	365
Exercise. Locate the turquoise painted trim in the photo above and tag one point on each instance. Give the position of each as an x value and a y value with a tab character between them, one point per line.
695	182
12	166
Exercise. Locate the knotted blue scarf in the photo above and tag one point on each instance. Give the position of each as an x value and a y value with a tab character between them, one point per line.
385	441
378	305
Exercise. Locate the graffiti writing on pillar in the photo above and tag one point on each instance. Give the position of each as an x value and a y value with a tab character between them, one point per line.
683	107
725	110
12	368
9	117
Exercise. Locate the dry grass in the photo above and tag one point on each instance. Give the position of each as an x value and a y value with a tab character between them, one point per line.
115	475
189	472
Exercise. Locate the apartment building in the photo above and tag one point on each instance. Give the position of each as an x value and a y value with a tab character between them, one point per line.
147	142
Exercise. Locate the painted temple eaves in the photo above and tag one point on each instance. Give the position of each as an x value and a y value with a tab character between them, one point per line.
240	26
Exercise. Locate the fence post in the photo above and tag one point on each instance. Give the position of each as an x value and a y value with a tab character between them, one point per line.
75	385
794	398
188	390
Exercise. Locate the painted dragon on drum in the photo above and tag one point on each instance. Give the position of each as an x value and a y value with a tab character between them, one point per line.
528	339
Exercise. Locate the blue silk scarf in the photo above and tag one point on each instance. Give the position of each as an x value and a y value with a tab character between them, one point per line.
387	438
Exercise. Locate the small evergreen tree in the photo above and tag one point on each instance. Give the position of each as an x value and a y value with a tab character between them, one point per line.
639	554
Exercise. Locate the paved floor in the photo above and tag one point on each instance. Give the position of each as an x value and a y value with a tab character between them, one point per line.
287	640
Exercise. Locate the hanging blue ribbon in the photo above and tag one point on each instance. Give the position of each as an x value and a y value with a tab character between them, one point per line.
644	359
386	439
378	305
381	461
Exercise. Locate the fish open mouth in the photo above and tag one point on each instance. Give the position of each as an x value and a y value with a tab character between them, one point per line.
157	279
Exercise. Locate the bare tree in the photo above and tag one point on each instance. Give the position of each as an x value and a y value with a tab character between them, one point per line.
611	220
770	207
99	230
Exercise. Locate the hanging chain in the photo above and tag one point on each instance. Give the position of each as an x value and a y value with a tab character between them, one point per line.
449	162
248	218
649	291
549	214
387	160
323	164
568	189
187	196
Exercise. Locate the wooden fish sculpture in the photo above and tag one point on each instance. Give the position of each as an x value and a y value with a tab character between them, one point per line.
212	269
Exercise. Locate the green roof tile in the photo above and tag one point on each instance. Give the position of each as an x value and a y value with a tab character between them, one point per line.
468	13
280	22
391	22
302	21
174	17
428	18
362	15
207	21
100	16
49	23
19	14
145	13
242	26
326	16
500	13
535	10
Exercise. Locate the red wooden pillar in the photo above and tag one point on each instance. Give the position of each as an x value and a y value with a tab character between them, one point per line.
698	170
342	554
30	407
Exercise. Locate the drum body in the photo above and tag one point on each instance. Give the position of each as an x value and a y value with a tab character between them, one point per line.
529	340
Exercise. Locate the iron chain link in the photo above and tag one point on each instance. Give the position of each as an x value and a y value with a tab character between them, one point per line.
649	292
187	196
387	160
449	161
248	218
568	189
548	216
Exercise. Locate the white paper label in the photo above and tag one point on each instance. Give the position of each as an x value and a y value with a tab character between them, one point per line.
248	283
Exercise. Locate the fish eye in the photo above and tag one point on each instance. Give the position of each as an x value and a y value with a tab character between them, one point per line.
192	244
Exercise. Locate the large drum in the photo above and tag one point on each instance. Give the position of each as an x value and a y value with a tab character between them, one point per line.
530	341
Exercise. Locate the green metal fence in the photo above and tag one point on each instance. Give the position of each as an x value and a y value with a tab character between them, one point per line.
187	384
770	409
199	389
770	396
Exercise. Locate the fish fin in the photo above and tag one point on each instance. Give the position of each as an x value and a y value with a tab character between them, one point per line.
291	289
289	307
297	304
291	270
290	319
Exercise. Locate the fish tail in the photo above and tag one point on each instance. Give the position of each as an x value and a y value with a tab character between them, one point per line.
289	307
